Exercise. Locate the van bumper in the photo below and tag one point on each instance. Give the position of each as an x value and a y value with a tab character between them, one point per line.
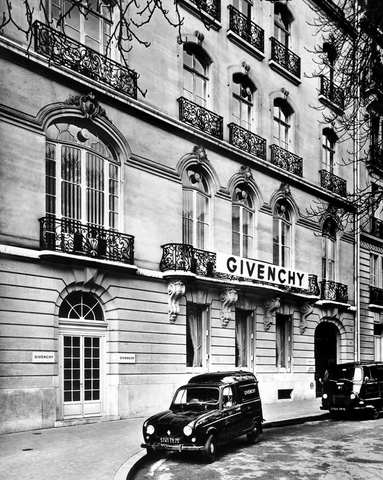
172	447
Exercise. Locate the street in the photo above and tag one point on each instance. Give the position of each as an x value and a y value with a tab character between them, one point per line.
328	450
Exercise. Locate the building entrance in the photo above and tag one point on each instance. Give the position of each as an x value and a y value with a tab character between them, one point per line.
325	351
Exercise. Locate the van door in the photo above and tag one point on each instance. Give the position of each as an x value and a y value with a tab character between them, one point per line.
371	387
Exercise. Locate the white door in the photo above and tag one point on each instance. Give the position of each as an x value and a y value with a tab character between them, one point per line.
81	375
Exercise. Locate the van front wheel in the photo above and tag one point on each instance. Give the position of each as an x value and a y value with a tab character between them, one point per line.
209	450
374	413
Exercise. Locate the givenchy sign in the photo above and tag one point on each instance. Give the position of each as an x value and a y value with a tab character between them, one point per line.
261	271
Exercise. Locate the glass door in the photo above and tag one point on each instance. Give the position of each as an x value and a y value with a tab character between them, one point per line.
81	376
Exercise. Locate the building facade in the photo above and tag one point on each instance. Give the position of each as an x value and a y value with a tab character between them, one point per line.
144	239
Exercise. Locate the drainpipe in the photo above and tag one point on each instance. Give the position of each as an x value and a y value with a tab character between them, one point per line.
357	218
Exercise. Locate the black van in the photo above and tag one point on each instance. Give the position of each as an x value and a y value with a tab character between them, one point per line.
353	386
212	409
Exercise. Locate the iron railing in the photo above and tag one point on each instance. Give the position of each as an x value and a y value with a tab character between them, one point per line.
331	92
180	256
201	118
333	183
376	227
375	157
285	57
186	258
288	161
247	141
62	50
334	291
250	32
376	295
70	236
212	7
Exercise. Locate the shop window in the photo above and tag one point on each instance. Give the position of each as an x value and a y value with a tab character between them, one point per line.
196	335
283	332
243	338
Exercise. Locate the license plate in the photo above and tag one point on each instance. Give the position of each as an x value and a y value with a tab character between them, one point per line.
342	409
170	440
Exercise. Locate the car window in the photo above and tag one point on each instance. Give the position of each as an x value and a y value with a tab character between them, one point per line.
192	396
228	399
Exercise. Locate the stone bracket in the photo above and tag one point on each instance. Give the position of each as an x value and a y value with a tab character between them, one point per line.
228	298
271	306
176	291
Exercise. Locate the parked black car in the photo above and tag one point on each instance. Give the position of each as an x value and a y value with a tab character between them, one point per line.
353	386
212	409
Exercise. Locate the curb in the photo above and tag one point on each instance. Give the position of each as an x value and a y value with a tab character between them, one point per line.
127	470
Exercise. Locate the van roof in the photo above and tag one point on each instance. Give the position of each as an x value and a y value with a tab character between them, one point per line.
224	377
357	364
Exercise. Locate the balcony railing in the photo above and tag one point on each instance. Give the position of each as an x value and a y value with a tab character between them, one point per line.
201	118
376	295
336	292
331	92
334	184
186	258
285	57
376	228
179	256
375	157
247	141
62	50
71	236
246	29
212	7
286	160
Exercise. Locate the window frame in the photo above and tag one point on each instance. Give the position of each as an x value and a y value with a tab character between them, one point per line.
284	227
245	207
243	115
201	312
283	338
195	75
282	123
244	317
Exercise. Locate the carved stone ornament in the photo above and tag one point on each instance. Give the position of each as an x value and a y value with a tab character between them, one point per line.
246	173
228	298
271	306
285	189
176	291
306	309
200	152
246	67
88	104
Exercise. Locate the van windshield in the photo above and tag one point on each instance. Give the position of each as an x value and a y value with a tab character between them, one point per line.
192	397
344	372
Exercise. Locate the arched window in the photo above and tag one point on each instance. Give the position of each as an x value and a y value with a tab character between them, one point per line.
196	208
242	222
282	24
329	139
243	91
82	177
89	23
282	234
81	306
282	123
195	81
329	230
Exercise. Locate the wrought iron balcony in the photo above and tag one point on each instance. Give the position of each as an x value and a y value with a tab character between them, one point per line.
201	118
62	50
331	182
285	57
246	29
179	256
247	141
286	160
376	228
212	7
331	92
376	295
375	158
333	291
186	258
71	236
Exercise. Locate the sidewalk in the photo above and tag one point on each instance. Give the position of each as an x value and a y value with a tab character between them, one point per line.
107	450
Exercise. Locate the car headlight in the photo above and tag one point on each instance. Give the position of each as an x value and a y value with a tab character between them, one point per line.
353	396
188	430
150	429
324	396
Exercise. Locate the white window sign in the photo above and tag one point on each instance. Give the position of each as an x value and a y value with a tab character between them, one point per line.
43	357
126	358
261	271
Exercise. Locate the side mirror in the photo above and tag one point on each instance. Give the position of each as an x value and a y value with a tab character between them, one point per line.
320	381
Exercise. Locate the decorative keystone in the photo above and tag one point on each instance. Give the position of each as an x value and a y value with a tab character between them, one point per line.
271	306
306	309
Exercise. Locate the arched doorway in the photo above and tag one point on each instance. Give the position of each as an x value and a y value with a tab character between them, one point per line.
82	331
325	351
